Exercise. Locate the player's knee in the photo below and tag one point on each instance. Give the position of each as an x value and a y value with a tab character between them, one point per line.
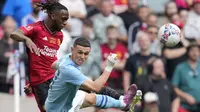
91	98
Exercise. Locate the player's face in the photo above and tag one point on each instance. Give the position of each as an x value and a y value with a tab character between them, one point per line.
80	54
194	54
61	18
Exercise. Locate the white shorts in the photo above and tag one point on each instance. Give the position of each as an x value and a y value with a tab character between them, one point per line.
77	101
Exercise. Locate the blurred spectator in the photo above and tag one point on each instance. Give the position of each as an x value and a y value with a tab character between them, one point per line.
152	19
7	46
175	55
120	6
175	18
130	16
183	3
1	32
136	64
65	45
77	11
104	19
36	15
17	9
186	78
114	46
92	7
143	12
155	82
170	9
1	7
192	27
183	15
155	45
151	102
92	67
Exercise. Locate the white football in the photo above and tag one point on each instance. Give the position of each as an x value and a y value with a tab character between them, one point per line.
169	34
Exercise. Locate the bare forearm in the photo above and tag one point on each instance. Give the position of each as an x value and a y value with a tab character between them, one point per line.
19	36
174	53
180	93
100	82
175	104
126	80
120	65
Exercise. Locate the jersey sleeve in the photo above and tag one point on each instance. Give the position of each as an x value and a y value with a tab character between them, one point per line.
28	30
73	75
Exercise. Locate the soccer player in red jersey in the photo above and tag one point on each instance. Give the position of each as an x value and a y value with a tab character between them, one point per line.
43	39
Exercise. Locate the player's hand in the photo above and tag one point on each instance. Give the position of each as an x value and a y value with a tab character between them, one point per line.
32	47
190	99
111	60
28	89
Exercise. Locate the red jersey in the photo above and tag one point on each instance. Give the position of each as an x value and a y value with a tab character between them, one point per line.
48	44
121	52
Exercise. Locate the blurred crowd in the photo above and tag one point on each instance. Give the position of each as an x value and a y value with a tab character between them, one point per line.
168	76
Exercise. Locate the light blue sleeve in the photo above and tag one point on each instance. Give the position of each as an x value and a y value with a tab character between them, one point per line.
8	8
72	75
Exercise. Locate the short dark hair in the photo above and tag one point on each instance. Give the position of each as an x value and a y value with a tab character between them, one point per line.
150	63
50	7
82	42
191	45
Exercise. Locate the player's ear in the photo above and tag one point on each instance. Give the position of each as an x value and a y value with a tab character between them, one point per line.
52	16
72	48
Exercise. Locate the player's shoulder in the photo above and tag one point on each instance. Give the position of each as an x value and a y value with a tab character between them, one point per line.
69	68
36	25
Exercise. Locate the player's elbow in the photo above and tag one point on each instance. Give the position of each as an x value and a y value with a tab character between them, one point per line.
97	88
15	35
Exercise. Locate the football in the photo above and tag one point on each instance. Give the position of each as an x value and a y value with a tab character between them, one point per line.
169	35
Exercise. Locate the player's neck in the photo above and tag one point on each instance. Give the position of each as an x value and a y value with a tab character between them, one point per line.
49	25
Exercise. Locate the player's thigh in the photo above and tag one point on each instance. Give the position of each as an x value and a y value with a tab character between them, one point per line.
78	101
90	100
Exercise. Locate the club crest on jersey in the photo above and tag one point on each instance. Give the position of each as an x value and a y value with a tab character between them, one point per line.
59	42
28	28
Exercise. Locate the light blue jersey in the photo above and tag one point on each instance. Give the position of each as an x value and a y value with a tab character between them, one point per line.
64	86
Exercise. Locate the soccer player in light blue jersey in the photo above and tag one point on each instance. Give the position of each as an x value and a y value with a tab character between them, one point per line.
68	79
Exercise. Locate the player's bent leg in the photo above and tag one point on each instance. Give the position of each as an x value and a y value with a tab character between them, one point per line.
78	101
40	92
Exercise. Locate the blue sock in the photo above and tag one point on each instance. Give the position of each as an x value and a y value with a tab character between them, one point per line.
103	101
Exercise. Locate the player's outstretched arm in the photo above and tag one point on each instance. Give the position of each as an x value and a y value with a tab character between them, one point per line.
19	36
99	83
